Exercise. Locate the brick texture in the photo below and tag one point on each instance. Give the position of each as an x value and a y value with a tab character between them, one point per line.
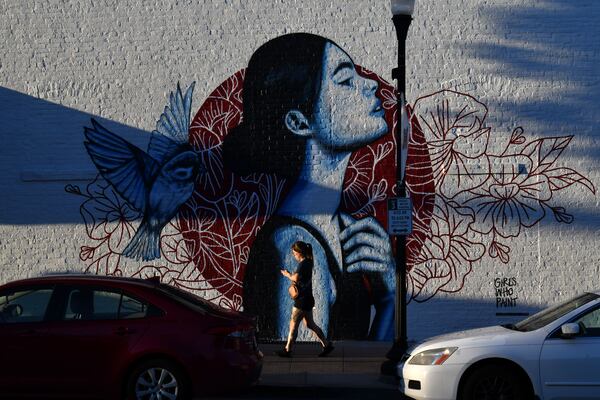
533	63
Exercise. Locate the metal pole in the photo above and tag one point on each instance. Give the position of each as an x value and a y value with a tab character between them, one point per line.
401	22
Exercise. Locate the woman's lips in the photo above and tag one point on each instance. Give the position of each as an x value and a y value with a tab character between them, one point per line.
378	109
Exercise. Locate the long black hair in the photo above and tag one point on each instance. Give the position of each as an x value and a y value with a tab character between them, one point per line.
304	249
283	74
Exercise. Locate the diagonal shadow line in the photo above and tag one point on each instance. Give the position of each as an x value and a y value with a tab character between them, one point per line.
42	150
551	42
35	133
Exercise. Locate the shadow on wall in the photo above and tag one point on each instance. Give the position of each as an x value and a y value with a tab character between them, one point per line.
42	150
552	45
424	319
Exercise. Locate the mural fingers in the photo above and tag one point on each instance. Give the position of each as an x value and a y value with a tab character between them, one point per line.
367	266
361	239
368	224
366	253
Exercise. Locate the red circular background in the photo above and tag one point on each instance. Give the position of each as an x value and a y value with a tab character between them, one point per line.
219	233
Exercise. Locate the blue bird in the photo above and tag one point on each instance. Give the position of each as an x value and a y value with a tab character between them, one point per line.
155	183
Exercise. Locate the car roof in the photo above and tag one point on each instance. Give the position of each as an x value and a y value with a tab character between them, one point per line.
80	277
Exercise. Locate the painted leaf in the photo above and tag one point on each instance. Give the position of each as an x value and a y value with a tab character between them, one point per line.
544	152
561	215
561	178
499	250
517	136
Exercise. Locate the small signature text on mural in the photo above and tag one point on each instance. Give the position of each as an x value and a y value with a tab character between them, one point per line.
505	292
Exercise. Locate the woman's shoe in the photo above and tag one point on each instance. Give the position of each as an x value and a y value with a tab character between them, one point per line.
326	350
284	353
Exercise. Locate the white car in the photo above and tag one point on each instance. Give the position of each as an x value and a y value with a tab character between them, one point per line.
554	354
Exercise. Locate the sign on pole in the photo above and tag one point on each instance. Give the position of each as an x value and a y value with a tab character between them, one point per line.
399	216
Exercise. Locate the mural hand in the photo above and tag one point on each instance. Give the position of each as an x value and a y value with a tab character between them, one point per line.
366	248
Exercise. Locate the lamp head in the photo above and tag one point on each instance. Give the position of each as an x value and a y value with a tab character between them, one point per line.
403	7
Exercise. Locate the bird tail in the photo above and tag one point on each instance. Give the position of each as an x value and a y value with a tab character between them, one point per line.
145	244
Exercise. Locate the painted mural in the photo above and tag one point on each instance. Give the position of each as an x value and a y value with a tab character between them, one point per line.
155	183
299	146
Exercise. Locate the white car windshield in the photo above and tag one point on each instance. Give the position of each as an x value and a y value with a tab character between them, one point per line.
544	317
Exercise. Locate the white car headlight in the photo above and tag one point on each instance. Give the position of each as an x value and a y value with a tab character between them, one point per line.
433	356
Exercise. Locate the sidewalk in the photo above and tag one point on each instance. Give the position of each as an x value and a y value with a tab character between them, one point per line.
353	364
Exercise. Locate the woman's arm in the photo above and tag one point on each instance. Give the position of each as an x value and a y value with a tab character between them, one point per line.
292	277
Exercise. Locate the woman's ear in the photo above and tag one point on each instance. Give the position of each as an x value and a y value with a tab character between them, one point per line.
297	123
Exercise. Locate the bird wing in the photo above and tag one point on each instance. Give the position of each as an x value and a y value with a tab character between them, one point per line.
128	169
173	126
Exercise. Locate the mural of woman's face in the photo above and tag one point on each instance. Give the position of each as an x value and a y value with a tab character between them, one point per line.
347	114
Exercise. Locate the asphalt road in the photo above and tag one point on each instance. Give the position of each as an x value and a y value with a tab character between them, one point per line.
311	393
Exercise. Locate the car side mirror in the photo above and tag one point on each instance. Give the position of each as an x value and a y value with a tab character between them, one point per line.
569	331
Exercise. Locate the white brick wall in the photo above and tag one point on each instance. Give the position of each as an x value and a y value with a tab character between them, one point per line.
534	63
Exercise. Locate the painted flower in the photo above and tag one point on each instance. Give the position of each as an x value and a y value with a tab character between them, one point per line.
188	245
361	188
453	126
514	198
207	131
447	254
359	176
107	216
235	304
86	252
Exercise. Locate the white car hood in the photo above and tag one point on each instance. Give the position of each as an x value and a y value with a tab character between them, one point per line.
471	338
472	333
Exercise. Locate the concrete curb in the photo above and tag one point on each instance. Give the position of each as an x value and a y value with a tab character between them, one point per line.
315	379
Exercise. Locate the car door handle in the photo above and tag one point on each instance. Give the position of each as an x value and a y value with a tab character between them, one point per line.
122	331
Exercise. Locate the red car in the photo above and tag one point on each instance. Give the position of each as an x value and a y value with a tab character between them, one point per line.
87	336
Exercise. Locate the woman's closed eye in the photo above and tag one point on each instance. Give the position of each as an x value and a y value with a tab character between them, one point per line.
346	82
344	78
344	74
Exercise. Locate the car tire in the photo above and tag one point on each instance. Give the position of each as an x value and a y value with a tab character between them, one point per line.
145	379
494	382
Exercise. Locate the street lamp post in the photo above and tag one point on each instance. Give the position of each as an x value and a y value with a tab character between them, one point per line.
402	16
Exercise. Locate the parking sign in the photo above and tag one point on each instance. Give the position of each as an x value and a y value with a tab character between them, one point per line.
399	216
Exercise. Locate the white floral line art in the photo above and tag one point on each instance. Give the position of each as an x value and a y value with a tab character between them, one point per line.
470	199
483	197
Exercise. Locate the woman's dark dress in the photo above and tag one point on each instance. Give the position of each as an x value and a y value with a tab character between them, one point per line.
305	300
349	316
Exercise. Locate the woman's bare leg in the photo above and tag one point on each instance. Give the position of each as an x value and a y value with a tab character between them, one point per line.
294	325
311	324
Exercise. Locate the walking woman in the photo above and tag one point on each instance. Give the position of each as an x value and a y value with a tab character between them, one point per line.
304	301
305	110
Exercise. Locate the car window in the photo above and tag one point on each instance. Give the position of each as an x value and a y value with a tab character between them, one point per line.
132	308
88	304
591	323
188	299
544	317
24	305
96	304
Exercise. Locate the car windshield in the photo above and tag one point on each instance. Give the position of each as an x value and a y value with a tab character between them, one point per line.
544	317
188	299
